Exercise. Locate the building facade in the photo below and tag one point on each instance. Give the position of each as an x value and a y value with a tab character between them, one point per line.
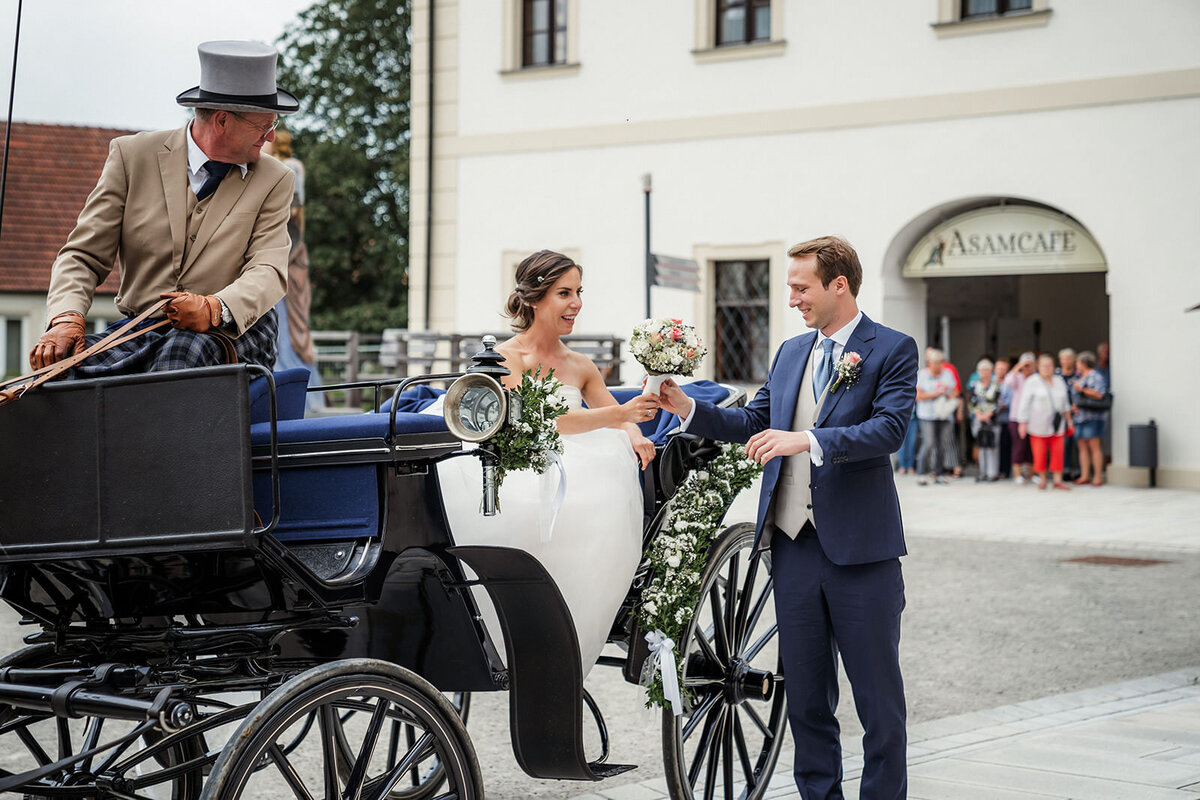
51	170
1015	174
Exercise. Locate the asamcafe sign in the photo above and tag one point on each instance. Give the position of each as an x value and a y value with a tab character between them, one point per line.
1005	240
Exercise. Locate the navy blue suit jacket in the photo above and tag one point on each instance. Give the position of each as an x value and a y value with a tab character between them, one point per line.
855	506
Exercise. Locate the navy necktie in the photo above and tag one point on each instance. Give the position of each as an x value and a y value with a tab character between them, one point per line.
824	369
216	173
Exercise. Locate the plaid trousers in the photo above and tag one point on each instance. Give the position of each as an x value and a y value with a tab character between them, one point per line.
171	348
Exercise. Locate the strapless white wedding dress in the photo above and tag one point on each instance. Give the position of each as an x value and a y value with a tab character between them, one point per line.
596	542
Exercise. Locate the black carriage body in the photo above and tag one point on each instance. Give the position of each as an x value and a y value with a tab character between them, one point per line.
127	530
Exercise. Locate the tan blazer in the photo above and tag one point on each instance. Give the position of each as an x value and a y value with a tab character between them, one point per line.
234	245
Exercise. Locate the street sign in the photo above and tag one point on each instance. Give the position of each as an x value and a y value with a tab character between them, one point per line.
676	273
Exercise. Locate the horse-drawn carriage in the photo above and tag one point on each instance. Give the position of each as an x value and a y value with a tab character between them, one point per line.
227	600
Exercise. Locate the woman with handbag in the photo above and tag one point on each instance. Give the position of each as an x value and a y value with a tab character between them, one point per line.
983	403
1045	417
1092	402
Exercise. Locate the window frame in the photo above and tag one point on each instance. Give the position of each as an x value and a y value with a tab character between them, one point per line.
512	51
705	48
749	22
553	28
749	305
952	22
1003	9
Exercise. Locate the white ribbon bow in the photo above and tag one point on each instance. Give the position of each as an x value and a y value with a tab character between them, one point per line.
663	649
546	522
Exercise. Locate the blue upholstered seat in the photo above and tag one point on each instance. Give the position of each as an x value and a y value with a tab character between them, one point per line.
342	501
291	386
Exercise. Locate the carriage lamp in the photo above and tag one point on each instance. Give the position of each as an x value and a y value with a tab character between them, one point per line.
476	407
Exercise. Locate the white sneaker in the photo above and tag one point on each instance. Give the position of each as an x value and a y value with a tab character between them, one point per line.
1020	479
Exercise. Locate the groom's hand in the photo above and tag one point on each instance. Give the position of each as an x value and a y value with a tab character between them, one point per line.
772	443
672	399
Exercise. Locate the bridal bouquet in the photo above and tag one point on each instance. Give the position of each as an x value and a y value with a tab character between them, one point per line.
527	443
666	347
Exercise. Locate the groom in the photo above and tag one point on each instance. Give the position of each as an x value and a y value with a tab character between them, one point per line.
825	425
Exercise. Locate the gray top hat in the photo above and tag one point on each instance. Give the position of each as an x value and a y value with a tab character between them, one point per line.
238	76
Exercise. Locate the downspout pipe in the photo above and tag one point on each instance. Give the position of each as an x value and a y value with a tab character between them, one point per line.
429	174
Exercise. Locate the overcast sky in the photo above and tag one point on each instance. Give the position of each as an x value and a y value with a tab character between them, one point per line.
120	63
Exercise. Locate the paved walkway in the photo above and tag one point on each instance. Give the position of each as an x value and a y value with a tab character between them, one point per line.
1137	740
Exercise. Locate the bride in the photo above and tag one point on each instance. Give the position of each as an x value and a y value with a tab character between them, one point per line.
596	541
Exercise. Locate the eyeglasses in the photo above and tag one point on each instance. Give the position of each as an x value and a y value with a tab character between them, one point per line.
263	129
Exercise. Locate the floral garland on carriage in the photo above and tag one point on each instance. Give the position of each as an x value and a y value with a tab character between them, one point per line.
678	557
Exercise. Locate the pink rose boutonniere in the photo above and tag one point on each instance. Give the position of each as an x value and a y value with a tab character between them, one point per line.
848	370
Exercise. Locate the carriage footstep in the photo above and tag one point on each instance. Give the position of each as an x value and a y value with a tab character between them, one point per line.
602	770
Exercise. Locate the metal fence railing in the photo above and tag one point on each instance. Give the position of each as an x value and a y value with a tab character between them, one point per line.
349	356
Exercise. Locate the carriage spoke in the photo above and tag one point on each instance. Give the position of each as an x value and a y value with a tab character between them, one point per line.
90	739
720	635
64	738
294	782
752	618
757	647
378	788
739	626
328	720
727	753
705	645
358	774
757	720
731	604
35	749
698	716
710	723
714	751
410	738
739	736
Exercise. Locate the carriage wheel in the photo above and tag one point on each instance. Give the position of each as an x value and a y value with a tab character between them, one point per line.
727	742
422	781
143	765
253	763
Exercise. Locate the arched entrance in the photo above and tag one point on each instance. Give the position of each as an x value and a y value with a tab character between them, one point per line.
997	276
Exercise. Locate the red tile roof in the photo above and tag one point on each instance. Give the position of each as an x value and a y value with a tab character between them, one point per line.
51	171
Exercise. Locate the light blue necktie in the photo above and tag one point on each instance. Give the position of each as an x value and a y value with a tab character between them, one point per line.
824	369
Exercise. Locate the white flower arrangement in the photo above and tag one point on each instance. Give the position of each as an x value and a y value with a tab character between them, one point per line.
679	554
529	439
667	347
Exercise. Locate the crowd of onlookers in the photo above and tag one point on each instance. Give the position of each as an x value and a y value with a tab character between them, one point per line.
1034	417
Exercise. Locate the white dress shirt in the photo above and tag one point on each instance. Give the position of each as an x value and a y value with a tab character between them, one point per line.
197	174
840	338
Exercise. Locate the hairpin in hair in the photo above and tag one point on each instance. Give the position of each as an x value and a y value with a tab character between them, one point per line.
540	279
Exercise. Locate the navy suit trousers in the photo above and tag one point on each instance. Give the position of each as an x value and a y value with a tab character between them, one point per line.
823	608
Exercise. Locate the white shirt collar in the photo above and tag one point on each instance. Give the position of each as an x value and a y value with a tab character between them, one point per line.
841	336
196	160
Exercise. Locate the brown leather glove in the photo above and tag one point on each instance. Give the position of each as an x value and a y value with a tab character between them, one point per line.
193	312
64	336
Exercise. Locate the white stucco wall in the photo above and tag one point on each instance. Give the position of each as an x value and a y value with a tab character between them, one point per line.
1070	115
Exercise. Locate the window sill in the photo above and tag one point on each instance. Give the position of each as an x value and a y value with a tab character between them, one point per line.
548	71
736	52
989	24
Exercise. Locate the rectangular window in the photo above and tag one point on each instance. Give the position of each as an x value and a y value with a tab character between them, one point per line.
13	357
743	21
990	8
544	33
742	321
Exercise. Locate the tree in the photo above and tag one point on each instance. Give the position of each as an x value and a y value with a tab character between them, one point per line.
349	63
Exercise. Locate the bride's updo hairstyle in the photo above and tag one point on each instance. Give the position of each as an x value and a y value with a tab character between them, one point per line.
535	275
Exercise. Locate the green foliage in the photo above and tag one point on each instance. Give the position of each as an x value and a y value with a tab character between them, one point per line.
679	553
527	442
349	63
